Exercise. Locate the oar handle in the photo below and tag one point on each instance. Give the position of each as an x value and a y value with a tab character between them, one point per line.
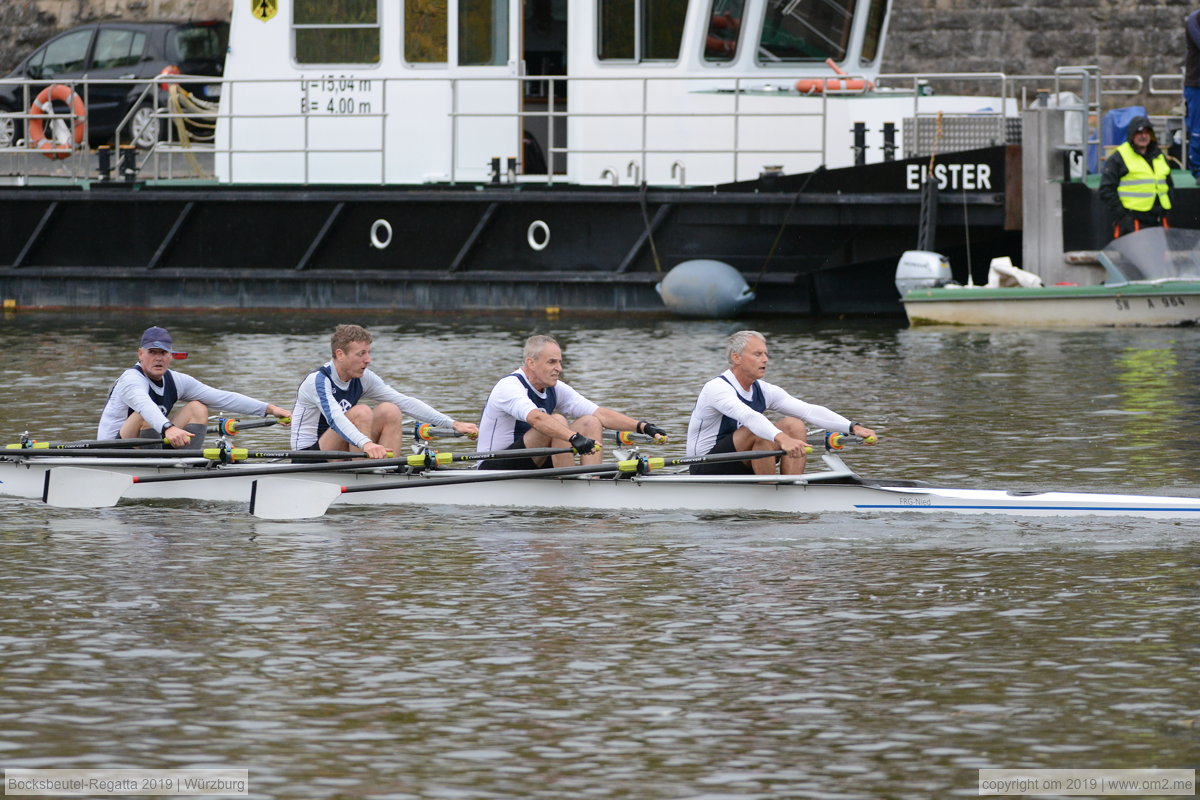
229	427
627	437
838	441
425	431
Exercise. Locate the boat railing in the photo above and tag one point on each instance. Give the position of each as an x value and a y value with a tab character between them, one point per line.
174	142
744	103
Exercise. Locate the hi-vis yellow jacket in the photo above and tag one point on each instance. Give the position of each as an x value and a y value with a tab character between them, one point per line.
1145	180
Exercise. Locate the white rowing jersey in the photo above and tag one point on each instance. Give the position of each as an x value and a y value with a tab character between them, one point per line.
324	398
723	406
133	391
513	398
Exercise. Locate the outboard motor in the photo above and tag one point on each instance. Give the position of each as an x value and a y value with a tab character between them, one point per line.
704	288
921	269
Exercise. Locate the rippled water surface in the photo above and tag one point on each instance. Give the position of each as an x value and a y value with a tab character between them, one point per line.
454	653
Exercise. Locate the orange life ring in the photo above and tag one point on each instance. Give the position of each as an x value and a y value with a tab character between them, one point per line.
818	85
42	105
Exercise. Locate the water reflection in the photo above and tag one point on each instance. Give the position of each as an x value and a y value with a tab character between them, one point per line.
443	652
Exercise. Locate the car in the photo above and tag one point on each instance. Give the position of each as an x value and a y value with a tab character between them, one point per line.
112	50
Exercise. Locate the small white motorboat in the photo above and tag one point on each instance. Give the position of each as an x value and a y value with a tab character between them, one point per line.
1152	279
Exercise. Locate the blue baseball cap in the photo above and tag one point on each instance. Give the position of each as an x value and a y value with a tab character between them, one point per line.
156	338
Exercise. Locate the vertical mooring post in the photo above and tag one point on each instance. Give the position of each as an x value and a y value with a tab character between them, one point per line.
889	141
860	144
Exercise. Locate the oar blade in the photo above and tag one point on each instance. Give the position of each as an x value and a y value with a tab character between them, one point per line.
78	487
291	498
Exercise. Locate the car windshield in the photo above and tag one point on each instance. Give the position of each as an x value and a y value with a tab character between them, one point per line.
198	43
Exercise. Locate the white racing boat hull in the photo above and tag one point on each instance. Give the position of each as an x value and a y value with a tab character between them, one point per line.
836	490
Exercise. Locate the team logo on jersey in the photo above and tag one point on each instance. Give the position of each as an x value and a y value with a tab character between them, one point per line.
346	405
264	9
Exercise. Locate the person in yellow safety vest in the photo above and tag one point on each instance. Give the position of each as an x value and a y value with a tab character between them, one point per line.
1136	185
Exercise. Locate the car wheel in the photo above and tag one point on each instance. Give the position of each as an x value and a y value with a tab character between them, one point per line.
10	130
146	129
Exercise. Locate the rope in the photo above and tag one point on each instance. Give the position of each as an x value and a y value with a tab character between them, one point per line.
783	225
649	233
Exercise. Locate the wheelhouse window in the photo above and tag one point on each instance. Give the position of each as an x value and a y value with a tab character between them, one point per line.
117	48
640	30
876	15
336	31
724	29
425	31
806	30
482	32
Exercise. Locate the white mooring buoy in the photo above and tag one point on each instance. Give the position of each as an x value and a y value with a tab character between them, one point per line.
704	288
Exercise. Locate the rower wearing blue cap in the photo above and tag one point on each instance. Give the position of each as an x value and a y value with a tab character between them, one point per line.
146	394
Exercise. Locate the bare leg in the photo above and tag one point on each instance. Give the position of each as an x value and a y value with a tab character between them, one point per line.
744	439
191	413
590	427
535	438
387	426
360	416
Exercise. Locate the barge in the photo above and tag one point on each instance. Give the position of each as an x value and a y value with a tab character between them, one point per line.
529	155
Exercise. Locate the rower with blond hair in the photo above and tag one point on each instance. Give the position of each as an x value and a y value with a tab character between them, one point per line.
331	414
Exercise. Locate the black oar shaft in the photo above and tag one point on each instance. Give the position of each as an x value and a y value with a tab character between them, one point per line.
484	477
84	444
556	472
339	466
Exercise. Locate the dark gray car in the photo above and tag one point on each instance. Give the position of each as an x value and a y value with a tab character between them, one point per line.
116	50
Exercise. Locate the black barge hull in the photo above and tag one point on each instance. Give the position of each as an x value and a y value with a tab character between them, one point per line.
825	243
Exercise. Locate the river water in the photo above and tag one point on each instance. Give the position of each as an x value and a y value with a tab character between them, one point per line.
454	653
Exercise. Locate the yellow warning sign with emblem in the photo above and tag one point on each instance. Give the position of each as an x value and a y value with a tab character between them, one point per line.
264	9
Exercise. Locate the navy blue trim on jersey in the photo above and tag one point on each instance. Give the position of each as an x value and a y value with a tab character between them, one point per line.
165	401
346	398
547	404
757	401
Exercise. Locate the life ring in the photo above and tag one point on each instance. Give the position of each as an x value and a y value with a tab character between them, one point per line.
44	104
840	84
818	85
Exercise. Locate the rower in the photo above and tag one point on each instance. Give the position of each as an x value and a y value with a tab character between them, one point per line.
530	407
729	416
330	415
140	403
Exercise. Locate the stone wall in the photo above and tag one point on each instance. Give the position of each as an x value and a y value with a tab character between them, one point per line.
1032	37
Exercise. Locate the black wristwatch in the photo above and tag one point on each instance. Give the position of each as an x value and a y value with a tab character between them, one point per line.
167	425
850	430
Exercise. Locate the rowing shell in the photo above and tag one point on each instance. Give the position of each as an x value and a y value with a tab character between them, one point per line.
835	489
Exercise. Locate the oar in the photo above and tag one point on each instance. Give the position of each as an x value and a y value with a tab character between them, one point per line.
626	437
289	498
79	487
211	453
228	427
838	441
83	444
425	431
